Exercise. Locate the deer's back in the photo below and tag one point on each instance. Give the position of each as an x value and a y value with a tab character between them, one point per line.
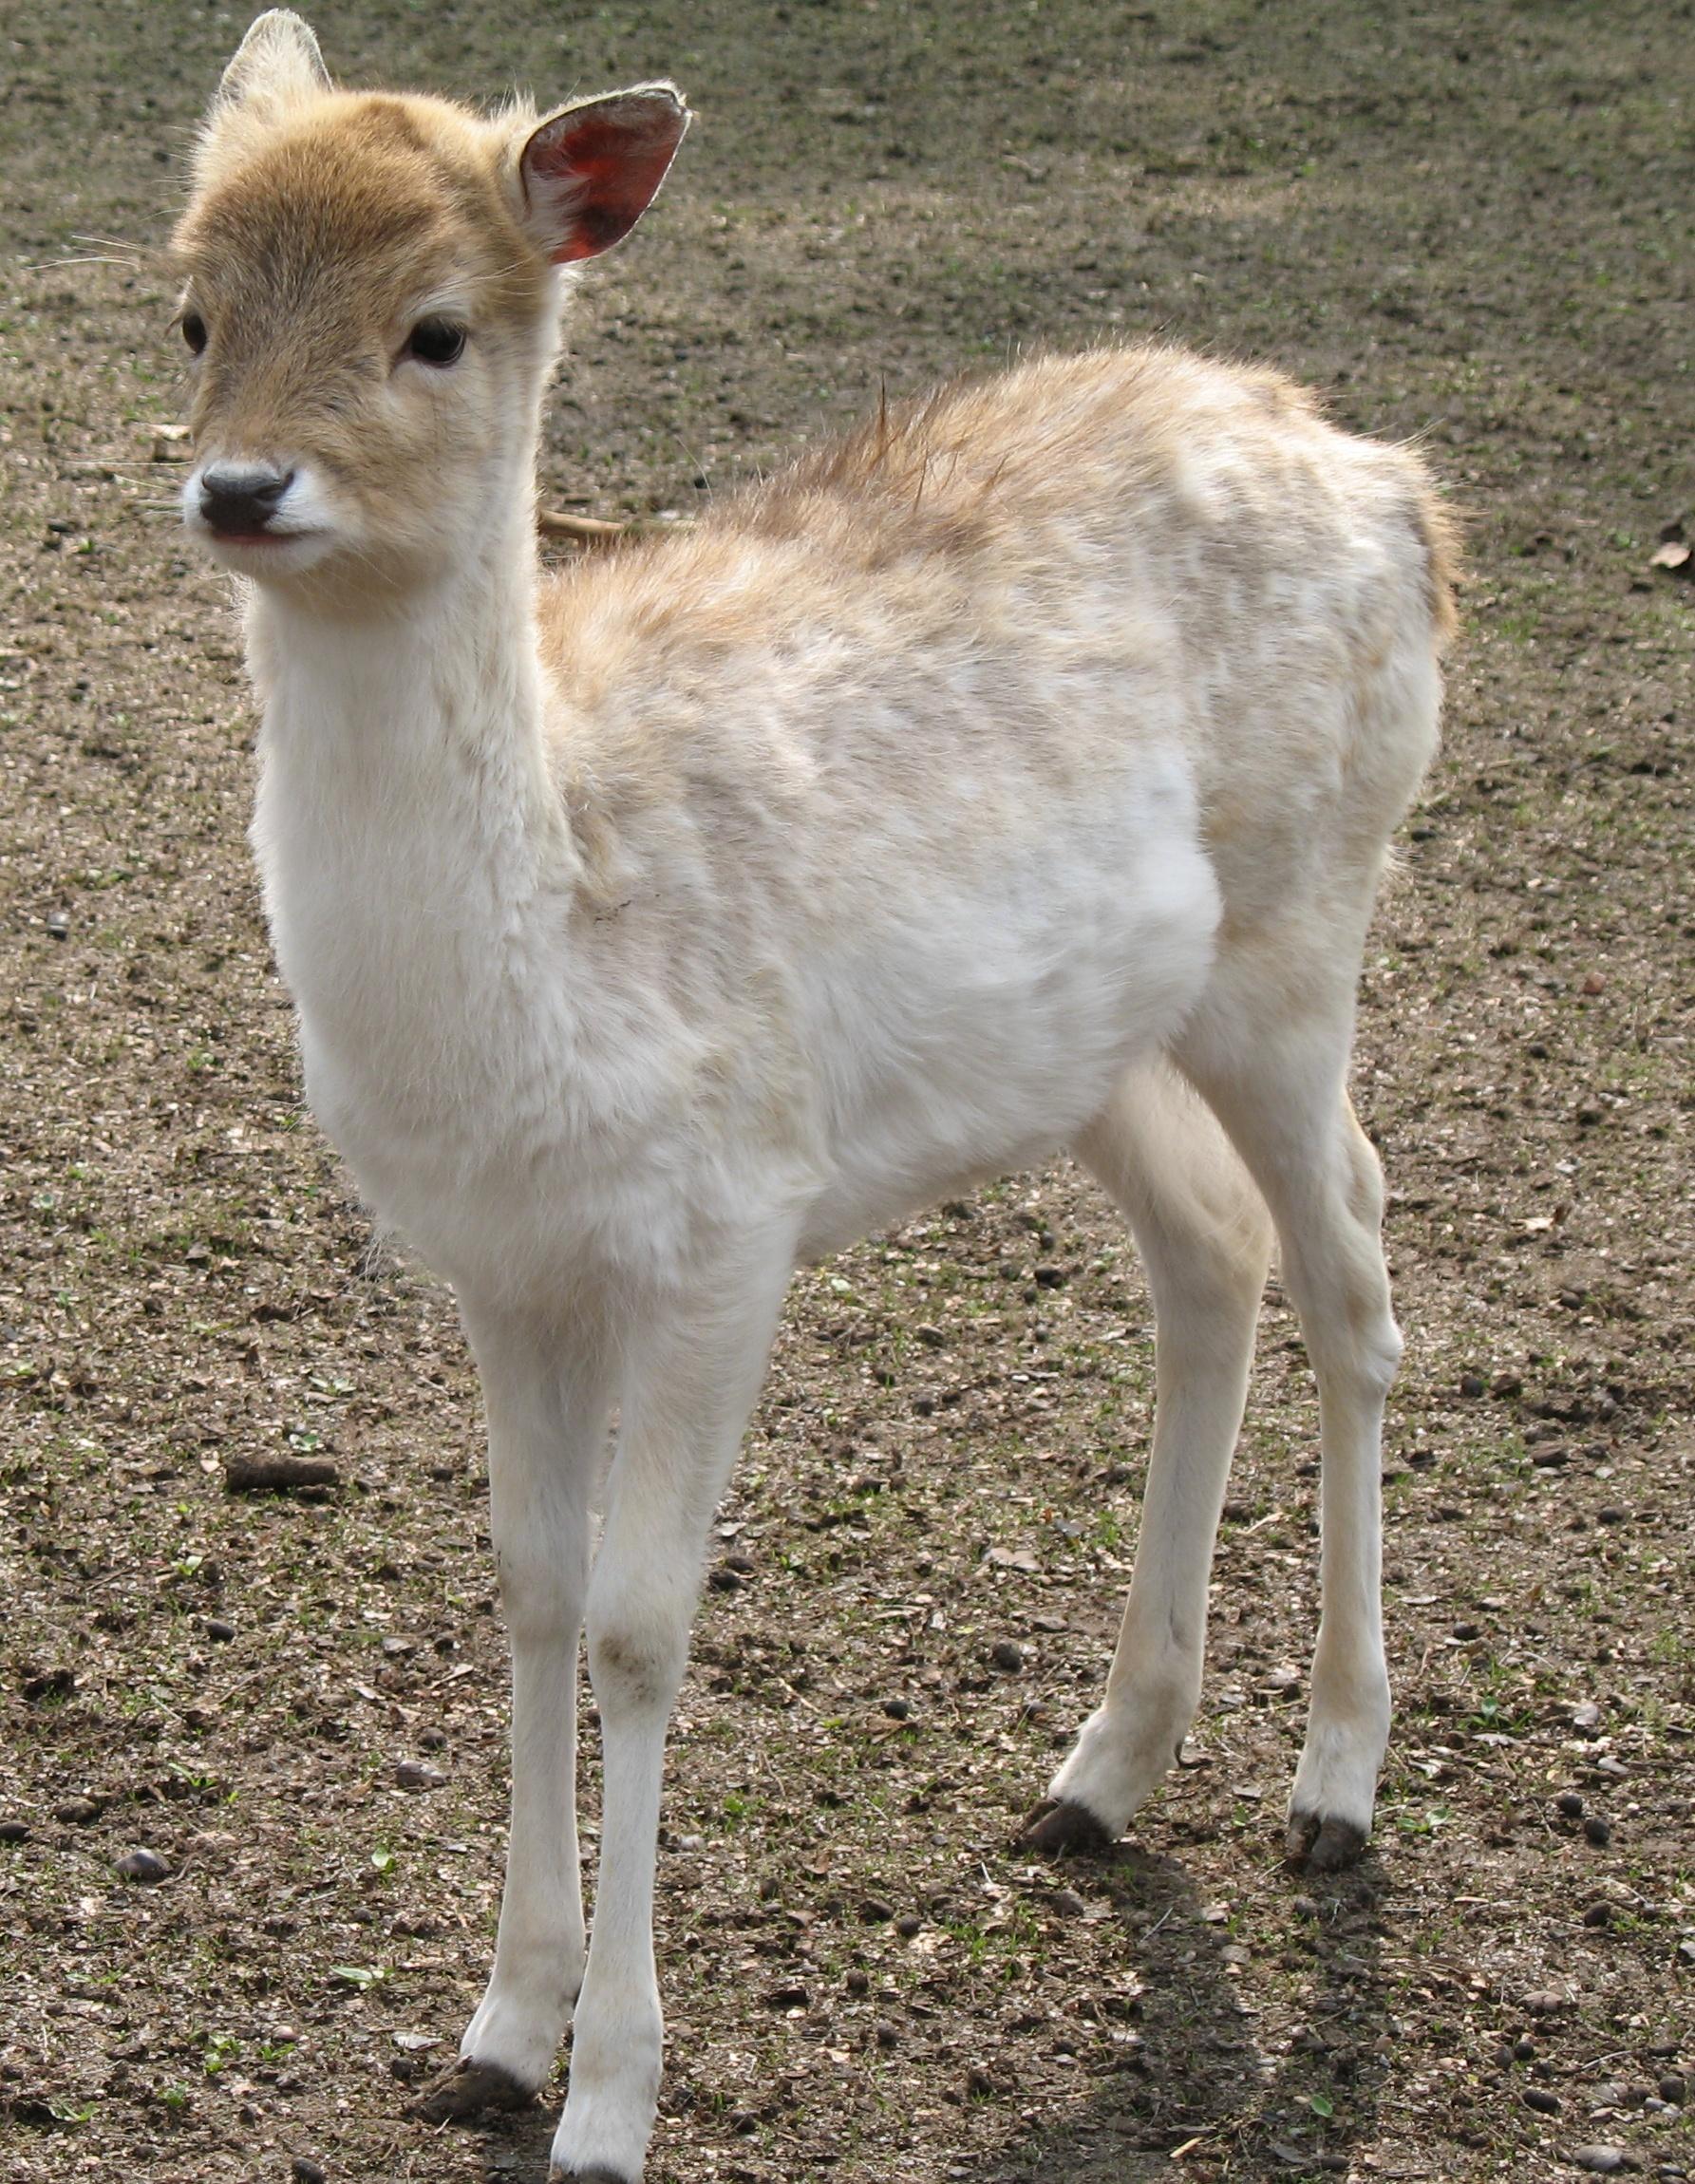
982	611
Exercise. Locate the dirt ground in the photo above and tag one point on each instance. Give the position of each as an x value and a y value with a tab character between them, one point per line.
1470	224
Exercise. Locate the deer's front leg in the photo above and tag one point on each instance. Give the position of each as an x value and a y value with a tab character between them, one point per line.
548	1400
686	1401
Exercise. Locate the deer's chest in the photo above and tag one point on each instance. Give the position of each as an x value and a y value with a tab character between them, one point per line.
502	1103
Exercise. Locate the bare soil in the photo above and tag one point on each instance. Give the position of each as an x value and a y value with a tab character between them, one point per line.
1468	223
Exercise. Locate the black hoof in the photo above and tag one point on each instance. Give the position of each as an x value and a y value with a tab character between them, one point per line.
466	2089
1322	1846
1062	1828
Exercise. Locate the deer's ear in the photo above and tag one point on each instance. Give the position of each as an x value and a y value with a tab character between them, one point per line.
277	66
590	172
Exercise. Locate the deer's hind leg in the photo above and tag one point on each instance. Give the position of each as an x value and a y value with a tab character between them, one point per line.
1272	1059
1205	1238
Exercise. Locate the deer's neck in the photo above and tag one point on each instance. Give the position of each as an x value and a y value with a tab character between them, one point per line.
418	869
412	739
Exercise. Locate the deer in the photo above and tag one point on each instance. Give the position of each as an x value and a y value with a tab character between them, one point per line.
1013	775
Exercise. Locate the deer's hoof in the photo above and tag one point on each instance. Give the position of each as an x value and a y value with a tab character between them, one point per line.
1062	1828
466	2088
1322	1846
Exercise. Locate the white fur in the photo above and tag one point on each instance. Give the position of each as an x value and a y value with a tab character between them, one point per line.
616	1157
798	892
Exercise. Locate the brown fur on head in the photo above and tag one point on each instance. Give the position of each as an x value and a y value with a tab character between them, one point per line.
370	292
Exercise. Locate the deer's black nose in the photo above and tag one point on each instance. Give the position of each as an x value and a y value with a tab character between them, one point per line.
238	501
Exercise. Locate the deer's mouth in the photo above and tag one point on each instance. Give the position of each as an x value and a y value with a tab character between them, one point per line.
272	553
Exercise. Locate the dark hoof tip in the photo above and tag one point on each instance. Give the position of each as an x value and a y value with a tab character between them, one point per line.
1323	1846
1060	1828
465	2089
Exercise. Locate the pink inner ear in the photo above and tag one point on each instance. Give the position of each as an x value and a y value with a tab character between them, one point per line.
607	162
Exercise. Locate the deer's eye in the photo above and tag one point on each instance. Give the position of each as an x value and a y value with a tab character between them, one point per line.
437	341
194	330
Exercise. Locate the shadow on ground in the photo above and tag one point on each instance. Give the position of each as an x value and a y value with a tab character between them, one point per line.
1197	2088
1193	2087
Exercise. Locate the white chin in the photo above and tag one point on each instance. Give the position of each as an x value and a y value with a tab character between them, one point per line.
259	558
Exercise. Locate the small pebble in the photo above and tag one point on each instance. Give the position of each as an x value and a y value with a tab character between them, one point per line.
1596	1831
908	1924
1587	1715
1007	1654
305	2171
1674	2089
77	1811
14	1830
857	1982
1602	2161
886	2036
1569	1805
1598	1914
1473	1384
218	1631
898	1709
874	1912
143	1865
414	1775
1524	2051
1544	2102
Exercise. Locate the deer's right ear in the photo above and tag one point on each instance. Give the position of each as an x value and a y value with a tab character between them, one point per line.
278	65
590	172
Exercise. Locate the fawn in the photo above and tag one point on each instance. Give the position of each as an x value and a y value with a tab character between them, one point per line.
1015	774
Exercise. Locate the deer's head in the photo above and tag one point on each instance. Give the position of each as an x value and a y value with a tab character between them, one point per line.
371	294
